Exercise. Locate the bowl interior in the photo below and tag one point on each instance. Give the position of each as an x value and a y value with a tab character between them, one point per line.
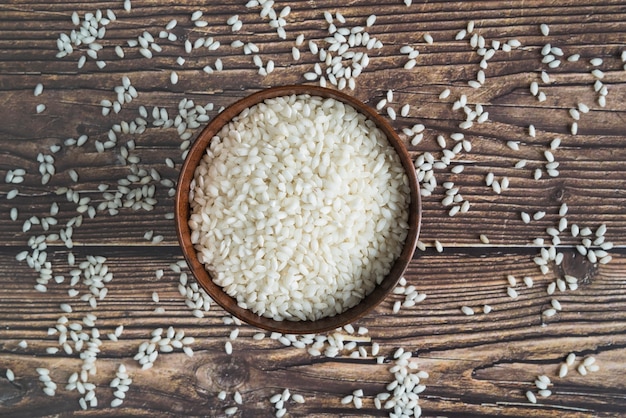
182	210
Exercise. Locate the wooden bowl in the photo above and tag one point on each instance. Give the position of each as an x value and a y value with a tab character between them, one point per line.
227	302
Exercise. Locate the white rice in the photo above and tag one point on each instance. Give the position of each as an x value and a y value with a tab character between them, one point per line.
588	361
528	281
295	53
467	310
298	229
545	393
512	280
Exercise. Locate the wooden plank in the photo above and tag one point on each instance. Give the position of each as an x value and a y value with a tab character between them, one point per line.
492	359
430	272
593	196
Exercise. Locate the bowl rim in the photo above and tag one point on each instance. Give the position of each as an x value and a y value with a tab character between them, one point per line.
182	211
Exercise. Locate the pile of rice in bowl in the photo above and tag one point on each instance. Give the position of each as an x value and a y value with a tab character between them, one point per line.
299	207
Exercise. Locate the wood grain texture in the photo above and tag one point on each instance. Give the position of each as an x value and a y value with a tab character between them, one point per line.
479	365
482	364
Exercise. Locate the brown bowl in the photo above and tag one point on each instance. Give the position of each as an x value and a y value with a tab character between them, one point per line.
227	302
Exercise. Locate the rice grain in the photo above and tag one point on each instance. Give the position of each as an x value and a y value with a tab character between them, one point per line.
467	310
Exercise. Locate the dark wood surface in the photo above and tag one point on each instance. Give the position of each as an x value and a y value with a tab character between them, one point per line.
479	365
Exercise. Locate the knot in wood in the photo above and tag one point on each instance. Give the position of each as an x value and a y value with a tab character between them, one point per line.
224	373
10	393
231	374
578	266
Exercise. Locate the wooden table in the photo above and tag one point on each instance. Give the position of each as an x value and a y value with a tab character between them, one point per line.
480	365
